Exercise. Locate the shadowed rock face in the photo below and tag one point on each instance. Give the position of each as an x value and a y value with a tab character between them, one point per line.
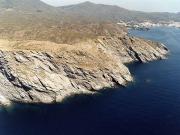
46	72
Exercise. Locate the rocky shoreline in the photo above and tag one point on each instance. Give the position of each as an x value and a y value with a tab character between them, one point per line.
46	72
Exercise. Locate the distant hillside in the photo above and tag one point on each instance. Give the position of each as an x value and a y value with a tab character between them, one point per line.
25	5
29	13
101	12
87	11
33	19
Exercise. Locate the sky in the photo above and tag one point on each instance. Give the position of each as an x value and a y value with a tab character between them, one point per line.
141	5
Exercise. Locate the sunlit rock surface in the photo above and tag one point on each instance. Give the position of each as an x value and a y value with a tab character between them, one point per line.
46	72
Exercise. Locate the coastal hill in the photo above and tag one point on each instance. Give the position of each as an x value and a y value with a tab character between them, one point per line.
113	13
35	20
45	56
97	12
34	71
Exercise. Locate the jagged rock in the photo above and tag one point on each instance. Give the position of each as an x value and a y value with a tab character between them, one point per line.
46	72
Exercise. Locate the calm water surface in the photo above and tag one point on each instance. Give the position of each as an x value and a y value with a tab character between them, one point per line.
149	106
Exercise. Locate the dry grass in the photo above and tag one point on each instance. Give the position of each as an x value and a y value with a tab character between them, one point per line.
84	54
61	33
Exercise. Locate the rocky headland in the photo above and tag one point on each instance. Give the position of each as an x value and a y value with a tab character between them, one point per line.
34	71
49	53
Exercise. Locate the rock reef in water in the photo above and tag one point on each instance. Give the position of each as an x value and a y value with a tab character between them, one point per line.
46	72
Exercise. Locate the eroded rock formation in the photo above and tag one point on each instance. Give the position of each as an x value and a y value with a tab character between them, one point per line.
46	72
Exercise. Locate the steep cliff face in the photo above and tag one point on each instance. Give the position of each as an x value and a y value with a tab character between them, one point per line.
46	72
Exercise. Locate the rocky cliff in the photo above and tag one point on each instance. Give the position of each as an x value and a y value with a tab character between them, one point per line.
47	72
48	53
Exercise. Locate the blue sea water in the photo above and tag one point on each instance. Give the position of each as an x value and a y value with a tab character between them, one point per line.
149	106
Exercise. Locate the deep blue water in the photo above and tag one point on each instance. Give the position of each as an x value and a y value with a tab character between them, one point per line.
149	106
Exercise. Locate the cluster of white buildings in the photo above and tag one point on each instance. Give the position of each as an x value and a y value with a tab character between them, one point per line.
148	24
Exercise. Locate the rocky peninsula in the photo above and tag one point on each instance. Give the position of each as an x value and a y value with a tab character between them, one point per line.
49	53
34	71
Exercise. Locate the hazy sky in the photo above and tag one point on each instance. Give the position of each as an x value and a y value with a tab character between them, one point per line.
143	5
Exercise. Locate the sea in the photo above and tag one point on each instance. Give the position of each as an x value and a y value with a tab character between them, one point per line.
148	106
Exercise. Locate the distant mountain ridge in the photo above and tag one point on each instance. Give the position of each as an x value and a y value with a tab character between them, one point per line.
34	19
85	11
24	4
114	13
